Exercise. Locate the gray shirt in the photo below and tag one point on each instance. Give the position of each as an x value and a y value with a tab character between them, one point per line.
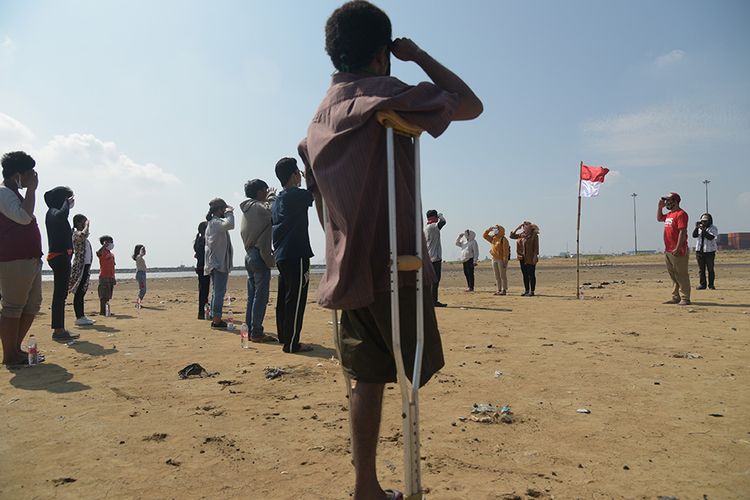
432	235
219	253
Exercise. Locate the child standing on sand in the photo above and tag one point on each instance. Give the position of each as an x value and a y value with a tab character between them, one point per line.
140	272
106	272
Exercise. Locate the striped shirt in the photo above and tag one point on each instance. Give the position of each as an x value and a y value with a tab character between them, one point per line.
345	161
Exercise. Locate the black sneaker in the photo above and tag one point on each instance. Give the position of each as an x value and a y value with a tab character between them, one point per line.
531	294
65	336
440	304
221	325
712	287
702	287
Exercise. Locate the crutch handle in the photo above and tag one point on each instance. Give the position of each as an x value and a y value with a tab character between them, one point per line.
408	263
393	120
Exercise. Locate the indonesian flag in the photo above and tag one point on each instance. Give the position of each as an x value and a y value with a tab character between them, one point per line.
591	179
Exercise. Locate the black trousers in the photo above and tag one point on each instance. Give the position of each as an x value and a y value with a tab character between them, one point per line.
438	268
80	293
706	262
469	273
529	276
294	278
61	272
204	286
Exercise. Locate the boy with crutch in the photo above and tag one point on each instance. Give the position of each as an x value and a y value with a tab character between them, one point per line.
345	157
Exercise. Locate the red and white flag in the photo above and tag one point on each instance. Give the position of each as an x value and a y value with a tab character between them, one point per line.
591	179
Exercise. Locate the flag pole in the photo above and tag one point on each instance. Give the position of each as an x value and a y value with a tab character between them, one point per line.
578	236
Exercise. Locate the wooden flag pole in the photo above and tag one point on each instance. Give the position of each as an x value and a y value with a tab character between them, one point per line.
578	236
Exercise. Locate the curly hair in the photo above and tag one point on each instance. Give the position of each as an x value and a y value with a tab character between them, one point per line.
16	162
354	34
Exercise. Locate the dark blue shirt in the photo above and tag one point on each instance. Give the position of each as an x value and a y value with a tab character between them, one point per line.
289	215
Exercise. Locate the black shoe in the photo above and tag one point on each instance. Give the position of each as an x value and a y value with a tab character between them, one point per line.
702	287
201	316
65	336
221	325
440	304
524	294
712	287
531	294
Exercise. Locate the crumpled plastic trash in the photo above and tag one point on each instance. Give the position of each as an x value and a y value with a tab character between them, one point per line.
487	413
273	372
194	370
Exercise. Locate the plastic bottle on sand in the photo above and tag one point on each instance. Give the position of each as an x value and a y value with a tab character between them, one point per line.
33	351
244	340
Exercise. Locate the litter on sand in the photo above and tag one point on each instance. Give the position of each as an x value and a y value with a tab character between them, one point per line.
194	370
487	413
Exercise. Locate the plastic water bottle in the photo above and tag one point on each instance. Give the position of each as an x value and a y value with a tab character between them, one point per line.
580	293
207	312
33	351
230	319
244	340
107	311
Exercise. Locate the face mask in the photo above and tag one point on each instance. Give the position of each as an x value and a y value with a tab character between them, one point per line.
143	252
110	246
669	205
71	203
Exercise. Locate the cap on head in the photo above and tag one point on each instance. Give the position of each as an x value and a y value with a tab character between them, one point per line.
672	196
285	167
217	203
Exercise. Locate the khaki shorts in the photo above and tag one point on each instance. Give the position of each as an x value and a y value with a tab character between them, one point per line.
365	339
21	287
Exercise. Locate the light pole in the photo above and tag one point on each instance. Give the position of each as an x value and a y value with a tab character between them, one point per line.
706	182
635	227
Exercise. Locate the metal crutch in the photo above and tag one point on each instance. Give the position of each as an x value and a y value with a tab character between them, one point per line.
406	263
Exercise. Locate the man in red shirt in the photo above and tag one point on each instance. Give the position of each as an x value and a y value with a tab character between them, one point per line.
675	247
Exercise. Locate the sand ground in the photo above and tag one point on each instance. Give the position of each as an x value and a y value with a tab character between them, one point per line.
107	417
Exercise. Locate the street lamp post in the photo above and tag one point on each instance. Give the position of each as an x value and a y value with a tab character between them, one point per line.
635	226
706	182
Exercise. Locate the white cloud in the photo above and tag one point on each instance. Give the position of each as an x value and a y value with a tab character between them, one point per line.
96	160
7	45
669	58
14	135
662	135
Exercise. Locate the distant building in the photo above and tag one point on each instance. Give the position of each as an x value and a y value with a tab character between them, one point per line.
734	241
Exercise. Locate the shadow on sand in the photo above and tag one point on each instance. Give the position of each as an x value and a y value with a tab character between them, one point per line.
318	351
46	377
91	349
478	308
716	304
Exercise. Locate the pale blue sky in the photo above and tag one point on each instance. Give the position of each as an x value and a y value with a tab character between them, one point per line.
149	109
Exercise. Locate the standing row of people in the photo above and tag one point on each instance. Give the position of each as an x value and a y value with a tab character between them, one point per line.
70	257
274	229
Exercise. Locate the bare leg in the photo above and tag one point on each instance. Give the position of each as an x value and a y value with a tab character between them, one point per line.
23	329
9	336
367	405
